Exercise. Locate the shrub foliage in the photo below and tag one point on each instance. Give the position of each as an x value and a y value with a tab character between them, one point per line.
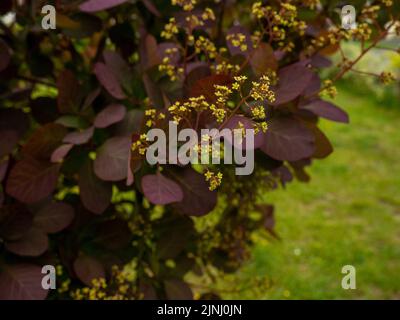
76	103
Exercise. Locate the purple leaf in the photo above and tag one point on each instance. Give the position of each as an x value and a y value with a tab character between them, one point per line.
319	61
112	114
31	180
79	137
149	53
293	80
120	68
109	81
161	190
326	110
88	268
54	217
151	7
22	282
112	159
95	194
198	200
99	5
60	153
33	244
287	139
313	86
131	123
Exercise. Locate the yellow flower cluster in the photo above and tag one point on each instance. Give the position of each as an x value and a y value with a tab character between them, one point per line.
152	117
238	40
239	80
118	288
386	77
187	5
166	66
225	68
387	3
285	17
329	89
261	90
219	108
179	110
96	292
258	112
203	44
362	32
312	4
140	144
213	179
170	29
258	10
370	12
208	14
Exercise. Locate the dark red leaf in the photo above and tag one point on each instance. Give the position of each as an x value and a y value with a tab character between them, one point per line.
79	137
44	141
149	54
112	114
33	244
174	236
161	190
99	5
287	139
54	217
22	282
206	87
95	194
112	159
44	109
114	234
326	110
198	200
31	180
14	119
69	92
109	81
293	80
88	268
263	59
15	221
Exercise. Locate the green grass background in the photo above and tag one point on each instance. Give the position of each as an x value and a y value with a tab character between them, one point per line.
349	213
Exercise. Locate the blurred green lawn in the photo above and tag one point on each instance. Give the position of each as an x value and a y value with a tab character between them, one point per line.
349	213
